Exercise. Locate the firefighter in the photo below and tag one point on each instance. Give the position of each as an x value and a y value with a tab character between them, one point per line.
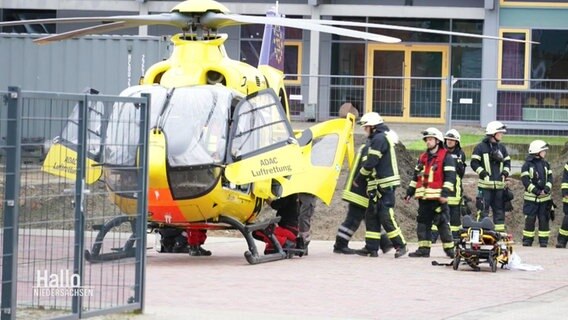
452	143
358	202
433	181
491	161
380	172
537	180
307	209
563	231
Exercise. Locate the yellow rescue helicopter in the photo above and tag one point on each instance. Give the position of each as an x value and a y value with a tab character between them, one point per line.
220	140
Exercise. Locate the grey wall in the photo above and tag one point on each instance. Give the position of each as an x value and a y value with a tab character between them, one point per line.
102	62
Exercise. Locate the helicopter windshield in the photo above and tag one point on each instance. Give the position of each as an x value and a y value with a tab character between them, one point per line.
195	123
194	119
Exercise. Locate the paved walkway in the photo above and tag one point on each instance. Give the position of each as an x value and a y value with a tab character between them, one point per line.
324	285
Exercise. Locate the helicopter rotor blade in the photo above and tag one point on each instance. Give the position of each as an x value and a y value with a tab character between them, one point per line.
85	31
175	19
404	28
219	20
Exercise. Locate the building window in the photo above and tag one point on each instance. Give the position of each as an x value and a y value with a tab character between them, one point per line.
348	80
549	59
292	61
513	59
24	14
409	36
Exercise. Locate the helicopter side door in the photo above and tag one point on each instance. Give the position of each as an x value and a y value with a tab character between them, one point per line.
323	149
61	159
262	146
265	152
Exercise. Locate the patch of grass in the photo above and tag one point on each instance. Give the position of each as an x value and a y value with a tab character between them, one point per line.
468	139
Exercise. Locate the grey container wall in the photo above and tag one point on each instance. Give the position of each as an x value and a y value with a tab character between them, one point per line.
106	63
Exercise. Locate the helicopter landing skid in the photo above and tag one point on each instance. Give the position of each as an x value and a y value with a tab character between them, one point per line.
252	256
126	251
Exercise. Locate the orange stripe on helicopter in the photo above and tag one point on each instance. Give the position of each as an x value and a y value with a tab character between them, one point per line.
163	207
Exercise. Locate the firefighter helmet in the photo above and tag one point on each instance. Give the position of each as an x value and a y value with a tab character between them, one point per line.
371	119
453	134
537	146
494	127
433	132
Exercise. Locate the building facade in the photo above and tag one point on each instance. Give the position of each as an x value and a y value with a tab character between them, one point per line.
427	78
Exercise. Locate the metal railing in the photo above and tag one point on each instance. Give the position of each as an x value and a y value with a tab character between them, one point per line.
528	102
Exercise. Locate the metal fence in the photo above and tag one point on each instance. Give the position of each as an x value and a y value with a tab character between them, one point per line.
390	96
58	215
524	103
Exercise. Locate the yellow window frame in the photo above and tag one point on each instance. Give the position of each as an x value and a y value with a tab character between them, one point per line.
521	4
526	75
299	44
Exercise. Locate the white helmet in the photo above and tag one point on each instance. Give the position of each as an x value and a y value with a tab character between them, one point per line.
453	134
433	132
371	119
537	146
495	126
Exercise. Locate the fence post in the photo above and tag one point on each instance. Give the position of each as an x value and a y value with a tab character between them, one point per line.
11	204
142	204
449	99
78	259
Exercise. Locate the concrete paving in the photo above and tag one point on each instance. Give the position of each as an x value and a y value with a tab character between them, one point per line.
325	285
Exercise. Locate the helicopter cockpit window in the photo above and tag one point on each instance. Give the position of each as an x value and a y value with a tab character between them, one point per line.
260	123
122	137
196	125
123	132
196	128
70	134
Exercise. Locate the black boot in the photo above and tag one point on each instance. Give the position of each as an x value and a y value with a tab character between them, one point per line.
385	244
180	245
302	245
561	243
342	249
450	252
401	251
367	252
527	242
342	246
420	253
198	251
